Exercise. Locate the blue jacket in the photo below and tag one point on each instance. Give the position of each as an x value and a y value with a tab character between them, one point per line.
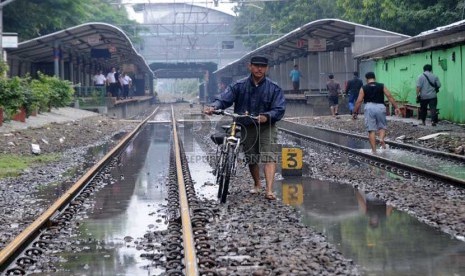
266	98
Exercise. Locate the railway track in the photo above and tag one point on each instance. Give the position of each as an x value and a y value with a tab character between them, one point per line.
420	162
187	245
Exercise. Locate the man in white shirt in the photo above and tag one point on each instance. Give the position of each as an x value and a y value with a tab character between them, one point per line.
111	83
126	83
99	81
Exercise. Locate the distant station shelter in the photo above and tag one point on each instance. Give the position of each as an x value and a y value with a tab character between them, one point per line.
77	53
319	48
398	65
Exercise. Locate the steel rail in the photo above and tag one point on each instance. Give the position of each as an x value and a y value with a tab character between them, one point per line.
436	175
397	144
190	257
11	249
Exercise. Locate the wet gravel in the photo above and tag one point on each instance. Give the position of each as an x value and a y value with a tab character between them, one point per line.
252	236
19	203
435	203
406	131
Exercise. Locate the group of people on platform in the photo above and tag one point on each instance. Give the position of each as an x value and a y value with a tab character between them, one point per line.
117	83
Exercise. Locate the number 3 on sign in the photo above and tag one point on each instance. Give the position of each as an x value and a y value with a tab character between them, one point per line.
291	158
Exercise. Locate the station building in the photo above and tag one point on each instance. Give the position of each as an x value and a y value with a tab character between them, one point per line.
398	65
320	48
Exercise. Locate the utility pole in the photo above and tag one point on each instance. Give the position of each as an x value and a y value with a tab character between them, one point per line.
2	4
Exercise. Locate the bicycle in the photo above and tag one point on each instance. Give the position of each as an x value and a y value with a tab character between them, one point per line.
227	151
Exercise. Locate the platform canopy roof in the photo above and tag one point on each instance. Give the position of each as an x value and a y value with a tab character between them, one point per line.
337	33
437	38
79	41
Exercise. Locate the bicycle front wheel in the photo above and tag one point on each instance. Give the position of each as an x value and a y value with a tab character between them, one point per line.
228	171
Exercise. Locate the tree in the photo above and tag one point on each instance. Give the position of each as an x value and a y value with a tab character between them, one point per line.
35	18
409	17
261	22
264	21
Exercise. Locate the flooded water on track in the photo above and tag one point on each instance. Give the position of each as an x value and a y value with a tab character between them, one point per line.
430	163
124	210
379	238
199	165
383	240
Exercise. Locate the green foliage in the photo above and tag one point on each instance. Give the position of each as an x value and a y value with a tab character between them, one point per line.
266	21
27	17
60	91
39	95
3	68
13	165
403	92
262	22
42	93
409	17
12	97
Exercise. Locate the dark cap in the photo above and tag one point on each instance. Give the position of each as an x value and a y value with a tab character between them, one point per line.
259	60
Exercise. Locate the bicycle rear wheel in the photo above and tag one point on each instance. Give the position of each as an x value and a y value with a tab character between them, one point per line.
228	171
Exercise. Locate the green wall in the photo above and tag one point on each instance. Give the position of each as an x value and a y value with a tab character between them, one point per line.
399	74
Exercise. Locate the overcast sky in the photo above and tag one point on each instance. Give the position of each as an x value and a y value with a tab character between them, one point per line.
224	7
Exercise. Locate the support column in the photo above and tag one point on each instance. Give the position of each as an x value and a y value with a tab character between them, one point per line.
56	58
71	69
62	67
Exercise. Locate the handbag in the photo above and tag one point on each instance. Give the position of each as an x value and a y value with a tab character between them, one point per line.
436	88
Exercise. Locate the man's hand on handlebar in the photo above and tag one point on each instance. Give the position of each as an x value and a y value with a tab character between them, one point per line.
261	119
208	110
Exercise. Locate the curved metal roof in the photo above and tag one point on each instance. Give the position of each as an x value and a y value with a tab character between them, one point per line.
78	41
440	37
338	34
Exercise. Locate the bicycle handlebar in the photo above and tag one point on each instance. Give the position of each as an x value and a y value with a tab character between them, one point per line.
233	115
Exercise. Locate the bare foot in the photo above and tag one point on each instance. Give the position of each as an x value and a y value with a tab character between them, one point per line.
383	144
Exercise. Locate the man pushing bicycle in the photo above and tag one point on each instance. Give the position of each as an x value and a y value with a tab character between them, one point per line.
258	96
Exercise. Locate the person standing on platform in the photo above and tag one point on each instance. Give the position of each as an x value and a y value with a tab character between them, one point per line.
119	85
427	87
262	98
99	79
334	89
352	89
372	94
295	76
112	82
126	82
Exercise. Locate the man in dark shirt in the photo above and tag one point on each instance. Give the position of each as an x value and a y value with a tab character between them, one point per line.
334	89
258	96
372	94
352	89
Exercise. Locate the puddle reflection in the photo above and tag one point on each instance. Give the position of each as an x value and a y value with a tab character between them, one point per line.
383	240
198	163
126	208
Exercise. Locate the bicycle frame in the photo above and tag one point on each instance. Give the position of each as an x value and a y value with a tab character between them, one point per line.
226	155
